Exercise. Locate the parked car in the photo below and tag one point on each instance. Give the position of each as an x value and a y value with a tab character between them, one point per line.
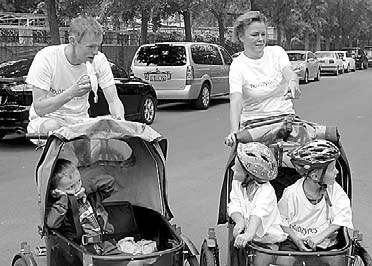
368	51
359	55
305	65
330	62
347	61
184	71
139	97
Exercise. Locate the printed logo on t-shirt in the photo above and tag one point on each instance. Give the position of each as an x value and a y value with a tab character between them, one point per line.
303	230
55	92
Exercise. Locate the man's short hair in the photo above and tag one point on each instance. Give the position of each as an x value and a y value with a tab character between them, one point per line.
63	168
82	25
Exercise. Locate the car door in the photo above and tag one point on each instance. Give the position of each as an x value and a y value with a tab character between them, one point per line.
311	64
214	60
226	68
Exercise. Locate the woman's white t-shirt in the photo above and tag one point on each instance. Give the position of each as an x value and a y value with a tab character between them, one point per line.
263	205
308	220
52	72
261	83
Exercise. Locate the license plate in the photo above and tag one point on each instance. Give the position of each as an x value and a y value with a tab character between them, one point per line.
158	77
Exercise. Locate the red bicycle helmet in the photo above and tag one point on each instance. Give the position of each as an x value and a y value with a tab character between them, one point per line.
258	160
314	155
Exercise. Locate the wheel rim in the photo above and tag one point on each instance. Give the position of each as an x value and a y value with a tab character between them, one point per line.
148	110
205	96
306	77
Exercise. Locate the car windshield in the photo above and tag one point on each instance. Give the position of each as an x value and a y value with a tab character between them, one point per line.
342	55
325	54
161	55
15	69
296	56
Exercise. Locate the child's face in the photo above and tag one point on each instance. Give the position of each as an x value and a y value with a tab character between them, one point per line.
71	185
330	174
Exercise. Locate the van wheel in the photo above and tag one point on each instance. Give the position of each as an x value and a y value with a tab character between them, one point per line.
148	109
204	98
2	135
306	78
317	78
20	262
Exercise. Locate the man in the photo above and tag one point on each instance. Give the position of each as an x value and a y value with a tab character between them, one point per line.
59	80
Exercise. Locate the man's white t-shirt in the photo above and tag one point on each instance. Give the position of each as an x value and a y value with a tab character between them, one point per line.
263	205
308	220
261	83
52	72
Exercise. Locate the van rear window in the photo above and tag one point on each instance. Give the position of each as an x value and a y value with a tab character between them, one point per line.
161	55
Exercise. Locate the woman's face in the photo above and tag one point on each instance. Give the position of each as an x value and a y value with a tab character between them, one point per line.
254	39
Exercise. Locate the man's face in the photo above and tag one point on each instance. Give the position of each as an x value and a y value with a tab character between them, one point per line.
87	48
71	184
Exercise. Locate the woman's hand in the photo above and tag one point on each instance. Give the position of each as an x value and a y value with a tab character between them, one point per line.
293	90
230	139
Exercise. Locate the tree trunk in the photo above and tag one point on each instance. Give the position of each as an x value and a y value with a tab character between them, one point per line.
307	41
53	22
318	44
144	24
252	5
187	21
221	29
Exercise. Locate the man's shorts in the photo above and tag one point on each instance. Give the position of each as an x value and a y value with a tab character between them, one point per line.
36	123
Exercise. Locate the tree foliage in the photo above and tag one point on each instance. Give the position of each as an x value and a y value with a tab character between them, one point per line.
338	21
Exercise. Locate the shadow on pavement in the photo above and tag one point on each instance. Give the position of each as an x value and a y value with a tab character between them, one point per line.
188	107
12	142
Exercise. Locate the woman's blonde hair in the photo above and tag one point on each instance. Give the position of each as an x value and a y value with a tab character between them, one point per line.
244	20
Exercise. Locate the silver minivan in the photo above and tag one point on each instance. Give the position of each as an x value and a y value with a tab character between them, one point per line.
186	71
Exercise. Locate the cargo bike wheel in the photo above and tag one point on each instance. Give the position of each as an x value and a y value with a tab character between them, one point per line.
361	256
208	256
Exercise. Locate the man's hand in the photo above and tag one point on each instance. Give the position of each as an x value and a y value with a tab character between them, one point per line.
81	87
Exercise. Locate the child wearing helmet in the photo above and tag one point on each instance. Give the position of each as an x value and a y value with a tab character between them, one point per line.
253	203
315	206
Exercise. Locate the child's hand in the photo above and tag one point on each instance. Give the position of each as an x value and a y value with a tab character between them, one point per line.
313	242
302	245
57	193
238	228
241	240
81	195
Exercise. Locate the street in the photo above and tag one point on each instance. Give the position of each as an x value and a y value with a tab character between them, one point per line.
196	160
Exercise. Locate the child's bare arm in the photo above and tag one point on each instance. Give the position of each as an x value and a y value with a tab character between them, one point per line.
242	239
239	223
319	238
56	213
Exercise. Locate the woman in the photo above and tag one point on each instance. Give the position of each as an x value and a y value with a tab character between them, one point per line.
262	81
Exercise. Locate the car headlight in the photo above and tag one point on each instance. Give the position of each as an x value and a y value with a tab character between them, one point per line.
298	67
20	87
